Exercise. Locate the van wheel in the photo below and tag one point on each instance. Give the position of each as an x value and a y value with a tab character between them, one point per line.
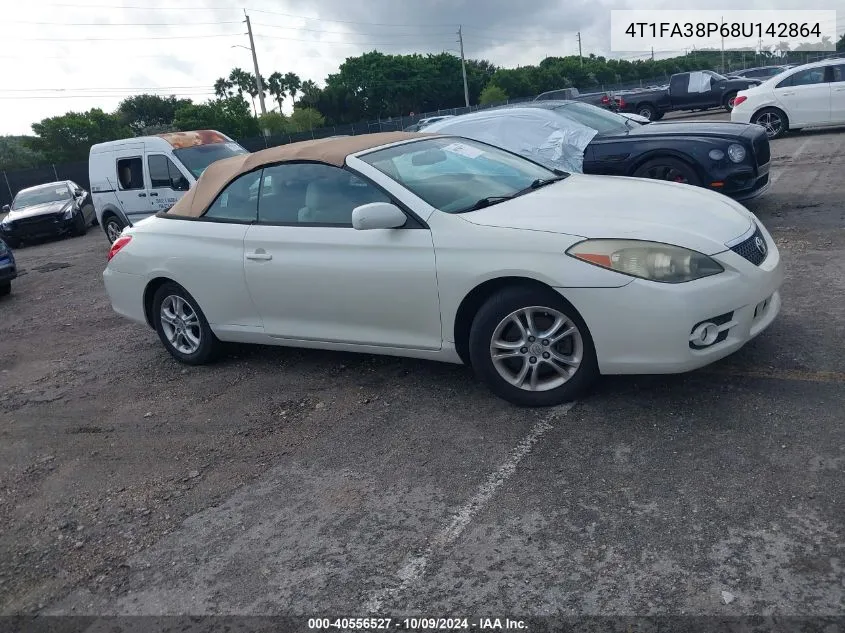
112	226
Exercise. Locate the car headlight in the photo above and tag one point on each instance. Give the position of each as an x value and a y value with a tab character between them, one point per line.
736	153
69	213
647	260
716	154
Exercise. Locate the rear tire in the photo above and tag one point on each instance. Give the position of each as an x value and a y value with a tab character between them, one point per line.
5	288
647	110
12	242
774	120
545	361
182	326
729	101
112	225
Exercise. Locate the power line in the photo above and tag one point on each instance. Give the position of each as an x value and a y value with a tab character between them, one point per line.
123	23
121	39
296	28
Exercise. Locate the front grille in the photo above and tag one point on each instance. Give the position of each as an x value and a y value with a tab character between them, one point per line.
761	149
751	248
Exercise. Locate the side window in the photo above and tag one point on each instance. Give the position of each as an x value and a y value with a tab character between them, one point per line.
312	193
239	201
678	84
804	78
164	174
130	173
838	72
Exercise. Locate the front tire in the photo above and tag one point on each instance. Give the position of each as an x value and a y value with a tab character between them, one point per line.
775	121
532	348
112	225
182	326
669	169
5	288
12	242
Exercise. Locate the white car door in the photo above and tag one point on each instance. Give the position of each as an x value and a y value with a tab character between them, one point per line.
167	182
131	187
805	97
315	278
837	93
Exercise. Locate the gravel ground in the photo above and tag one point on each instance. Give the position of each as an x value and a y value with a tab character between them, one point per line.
283	481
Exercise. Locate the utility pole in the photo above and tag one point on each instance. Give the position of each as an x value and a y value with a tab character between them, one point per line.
463	66
580	57
652	53
258	84
723	46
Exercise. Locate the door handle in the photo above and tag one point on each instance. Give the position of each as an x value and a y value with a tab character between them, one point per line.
259	255
788	94
142	195
154	193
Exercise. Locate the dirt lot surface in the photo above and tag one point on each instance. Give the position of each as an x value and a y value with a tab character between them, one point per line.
283	481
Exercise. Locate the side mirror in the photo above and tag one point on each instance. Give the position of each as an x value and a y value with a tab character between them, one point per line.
78	192
377	215
6	208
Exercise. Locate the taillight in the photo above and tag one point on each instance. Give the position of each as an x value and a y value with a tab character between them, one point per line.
118	244
739	100
605	99
621	102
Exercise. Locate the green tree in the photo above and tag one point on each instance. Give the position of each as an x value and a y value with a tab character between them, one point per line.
274	123
840	45
310	94
223	88
276	87
148	113
16	153
240	80
492	94
292	83
68	137
230	116
305	119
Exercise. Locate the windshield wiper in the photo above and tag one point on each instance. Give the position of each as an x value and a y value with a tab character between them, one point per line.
491	200
486	202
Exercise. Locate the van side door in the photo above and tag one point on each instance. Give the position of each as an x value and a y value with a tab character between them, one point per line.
167	182
130	182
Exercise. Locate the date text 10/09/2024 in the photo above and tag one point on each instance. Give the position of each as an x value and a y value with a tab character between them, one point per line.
418	624
726	29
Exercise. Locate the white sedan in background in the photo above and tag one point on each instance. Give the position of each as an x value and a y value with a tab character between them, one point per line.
804	96
449	249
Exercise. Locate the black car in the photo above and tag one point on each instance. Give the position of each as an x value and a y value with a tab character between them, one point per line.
8	268
699	90
731	158
50	210
762	72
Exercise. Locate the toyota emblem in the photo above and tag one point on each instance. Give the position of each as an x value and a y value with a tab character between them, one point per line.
760	244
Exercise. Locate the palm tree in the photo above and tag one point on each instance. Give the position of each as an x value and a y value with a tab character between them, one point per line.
310	93
223	88
276	87
293	83
240	80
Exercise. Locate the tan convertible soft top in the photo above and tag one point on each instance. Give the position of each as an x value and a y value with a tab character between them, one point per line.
332	151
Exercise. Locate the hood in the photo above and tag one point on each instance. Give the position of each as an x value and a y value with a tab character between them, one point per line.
47	208
626	208
682	128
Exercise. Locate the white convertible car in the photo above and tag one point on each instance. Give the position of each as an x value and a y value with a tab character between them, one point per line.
444	248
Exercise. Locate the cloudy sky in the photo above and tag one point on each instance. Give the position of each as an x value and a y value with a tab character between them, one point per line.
77	54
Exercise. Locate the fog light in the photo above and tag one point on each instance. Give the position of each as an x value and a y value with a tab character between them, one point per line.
716	154
704	334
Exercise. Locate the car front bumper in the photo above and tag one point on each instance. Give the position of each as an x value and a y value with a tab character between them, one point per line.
645	327
8	268
38	227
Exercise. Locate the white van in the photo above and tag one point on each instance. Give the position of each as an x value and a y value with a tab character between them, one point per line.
136	177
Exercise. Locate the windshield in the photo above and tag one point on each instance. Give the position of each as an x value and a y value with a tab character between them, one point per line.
453	174
41	195
197	158
603	121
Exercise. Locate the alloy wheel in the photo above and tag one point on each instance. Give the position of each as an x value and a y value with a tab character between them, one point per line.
772	121
113	230
181	324
536	348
